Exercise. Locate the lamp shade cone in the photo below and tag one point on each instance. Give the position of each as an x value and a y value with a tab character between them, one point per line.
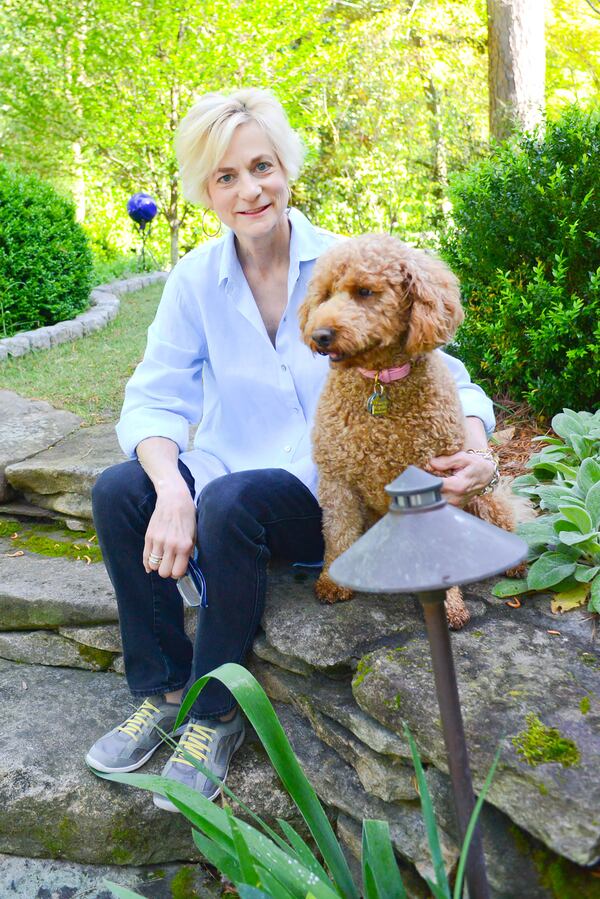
421	548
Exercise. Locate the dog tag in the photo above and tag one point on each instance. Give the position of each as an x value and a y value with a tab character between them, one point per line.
378	403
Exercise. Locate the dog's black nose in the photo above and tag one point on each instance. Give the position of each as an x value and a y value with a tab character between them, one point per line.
323	337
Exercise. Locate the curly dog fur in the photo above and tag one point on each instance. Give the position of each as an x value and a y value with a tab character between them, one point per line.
376	303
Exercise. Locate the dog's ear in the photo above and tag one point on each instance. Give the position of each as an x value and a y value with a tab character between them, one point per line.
304	311
436	311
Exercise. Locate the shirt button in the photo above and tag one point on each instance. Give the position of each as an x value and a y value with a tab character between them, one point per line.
287	449
284	368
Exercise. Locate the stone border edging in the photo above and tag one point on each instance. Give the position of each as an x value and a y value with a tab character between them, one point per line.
104	302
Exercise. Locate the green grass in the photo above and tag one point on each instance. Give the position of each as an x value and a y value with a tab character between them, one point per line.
88	376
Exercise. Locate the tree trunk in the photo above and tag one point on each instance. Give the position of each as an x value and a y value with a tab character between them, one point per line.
517	65
174	229
440	158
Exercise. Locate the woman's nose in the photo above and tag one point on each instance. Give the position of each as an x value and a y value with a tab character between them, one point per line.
249	187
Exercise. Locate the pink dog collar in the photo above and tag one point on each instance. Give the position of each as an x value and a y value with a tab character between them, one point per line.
387	375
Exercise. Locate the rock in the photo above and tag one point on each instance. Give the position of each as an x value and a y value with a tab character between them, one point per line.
41	339
32	878
28	426
338	786
76	524
53	806
16	346
42	592
332	697
507	672
268	653
104	636
332	636
62	477
44	648
118	665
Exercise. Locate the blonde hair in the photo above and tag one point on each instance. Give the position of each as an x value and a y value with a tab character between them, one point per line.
206	131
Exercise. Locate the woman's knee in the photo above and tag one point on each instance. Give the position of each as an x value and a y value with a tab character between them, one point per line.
119	485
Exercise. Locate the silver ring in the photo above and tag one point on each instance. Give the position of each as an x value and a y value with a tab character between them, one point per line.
154	560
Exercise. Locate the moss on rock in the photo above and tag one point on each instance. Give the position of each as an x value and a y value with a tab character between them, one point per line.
51	540
99	658
539	745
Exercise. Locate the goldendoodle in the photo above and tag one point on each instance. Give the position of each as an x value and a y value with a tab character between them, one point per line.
375	304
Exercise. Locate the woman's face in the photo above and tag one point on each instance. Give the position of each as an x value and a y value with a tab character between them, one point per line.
249	190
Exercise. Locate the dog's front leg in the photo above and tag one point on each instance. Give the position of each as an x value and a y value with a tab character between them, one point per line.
343	524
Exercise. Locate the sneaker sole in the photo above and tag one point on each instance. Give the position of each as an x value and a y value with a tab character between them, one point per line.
167	806
99	766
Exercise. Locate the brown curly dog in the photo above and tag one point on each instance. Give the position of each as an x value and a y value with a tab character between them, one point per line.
374	303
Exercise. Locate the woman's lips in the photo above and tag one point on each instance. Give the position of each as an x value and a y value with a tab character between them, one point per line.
253	212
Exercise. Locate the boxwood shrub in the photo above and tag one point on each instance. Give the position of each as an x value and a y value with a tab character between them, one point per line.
45	259
525	241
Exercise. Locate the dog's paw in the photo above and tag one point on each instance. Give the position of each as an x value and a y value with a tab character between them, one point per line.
328	591
519	570
457	613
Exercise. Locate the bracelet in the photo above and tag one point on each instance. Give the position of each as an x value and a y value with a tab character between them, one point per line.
491	457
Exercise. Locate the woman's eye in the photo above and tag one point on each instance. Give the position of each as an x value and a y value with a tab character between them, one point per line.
263	167
225	179
364	292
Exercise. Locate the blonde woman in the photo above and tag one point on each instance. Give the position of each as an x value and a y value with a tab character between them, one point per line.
225	350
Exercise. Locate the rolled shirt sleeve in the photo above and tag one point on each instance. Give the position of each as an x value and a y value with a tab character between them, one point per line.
474	401
165	394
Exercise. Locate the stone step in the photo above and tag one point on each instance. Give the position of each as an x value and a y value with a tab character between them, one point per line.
41	592
28	427
61	477
53	806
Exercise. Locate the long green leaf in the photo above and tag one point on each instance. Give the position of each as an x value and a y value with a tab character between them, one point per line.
288	870
302	851
274	886
247	892
380	867
462	861
429	818
122	892
248	871
253	700
215	855
594	603
437	891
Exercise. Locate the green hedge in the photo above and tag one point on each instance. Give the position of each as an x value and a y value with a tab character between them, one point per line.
525	242
45	260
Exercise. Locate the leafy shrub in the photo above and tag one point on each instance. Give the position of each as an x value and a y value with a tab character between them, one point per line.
45	260
564	544
260	862
526	244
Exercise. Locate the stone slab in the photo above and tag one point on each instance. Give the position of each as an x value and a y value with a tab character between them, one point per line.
506	670
32	878
332	636
28	427
47	648
62	477
104	636
53	806
42	592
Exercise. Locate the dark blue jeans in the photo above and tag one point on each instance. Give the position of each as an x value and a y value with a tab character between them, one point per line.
244	519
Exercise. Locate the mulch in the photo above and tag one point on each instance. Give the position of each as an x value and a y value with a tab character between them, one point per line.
516	426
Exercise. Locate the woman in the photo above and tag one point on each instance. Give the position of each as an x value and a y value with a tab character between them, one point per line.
225	350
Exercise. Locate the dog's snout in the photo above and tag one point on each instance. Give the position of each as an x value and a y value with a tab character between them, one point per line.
323	337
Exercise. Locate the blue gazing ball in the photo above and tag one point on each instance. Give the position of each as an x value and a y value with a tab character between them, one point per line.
141	208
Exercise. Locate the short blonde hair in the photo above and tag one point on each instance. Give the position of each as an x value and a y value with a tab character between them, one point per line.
206	131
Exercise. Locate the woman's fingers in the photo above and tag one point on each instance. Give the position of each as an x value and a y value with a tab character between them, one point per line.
469	475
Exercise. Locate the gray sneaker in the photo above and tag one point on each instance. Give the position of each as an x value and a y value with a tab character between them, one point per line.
213	743
129	745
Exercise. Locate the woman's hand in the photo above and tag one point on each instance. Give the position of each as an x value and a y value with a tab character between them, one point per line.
171	532
465	476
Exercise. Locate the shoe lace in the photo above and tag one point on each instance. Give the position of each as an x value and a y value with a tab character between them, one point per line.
140	719
194	741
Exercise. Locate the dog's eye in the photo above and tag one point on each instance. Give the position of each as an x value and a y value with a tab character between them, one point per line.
364	292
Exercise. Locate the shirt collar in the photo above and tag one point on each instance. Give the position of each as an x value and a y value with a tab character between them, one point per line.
306	244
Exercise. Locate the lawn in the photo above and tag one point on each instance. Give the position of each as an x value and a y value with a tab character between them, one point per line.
88	376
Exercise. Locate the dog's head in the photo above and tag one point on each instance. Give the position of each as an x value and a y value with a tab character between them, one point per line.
374	293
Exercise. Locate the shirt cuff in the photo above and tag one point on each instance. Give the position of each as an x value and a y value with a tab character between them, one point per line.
135	427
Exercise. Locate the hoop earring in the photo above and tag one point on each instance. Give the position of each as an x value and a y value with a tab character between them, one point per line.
203	226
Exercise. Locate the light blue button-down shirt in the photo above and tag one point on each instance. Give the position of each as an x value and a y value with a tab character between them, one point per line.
209	359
